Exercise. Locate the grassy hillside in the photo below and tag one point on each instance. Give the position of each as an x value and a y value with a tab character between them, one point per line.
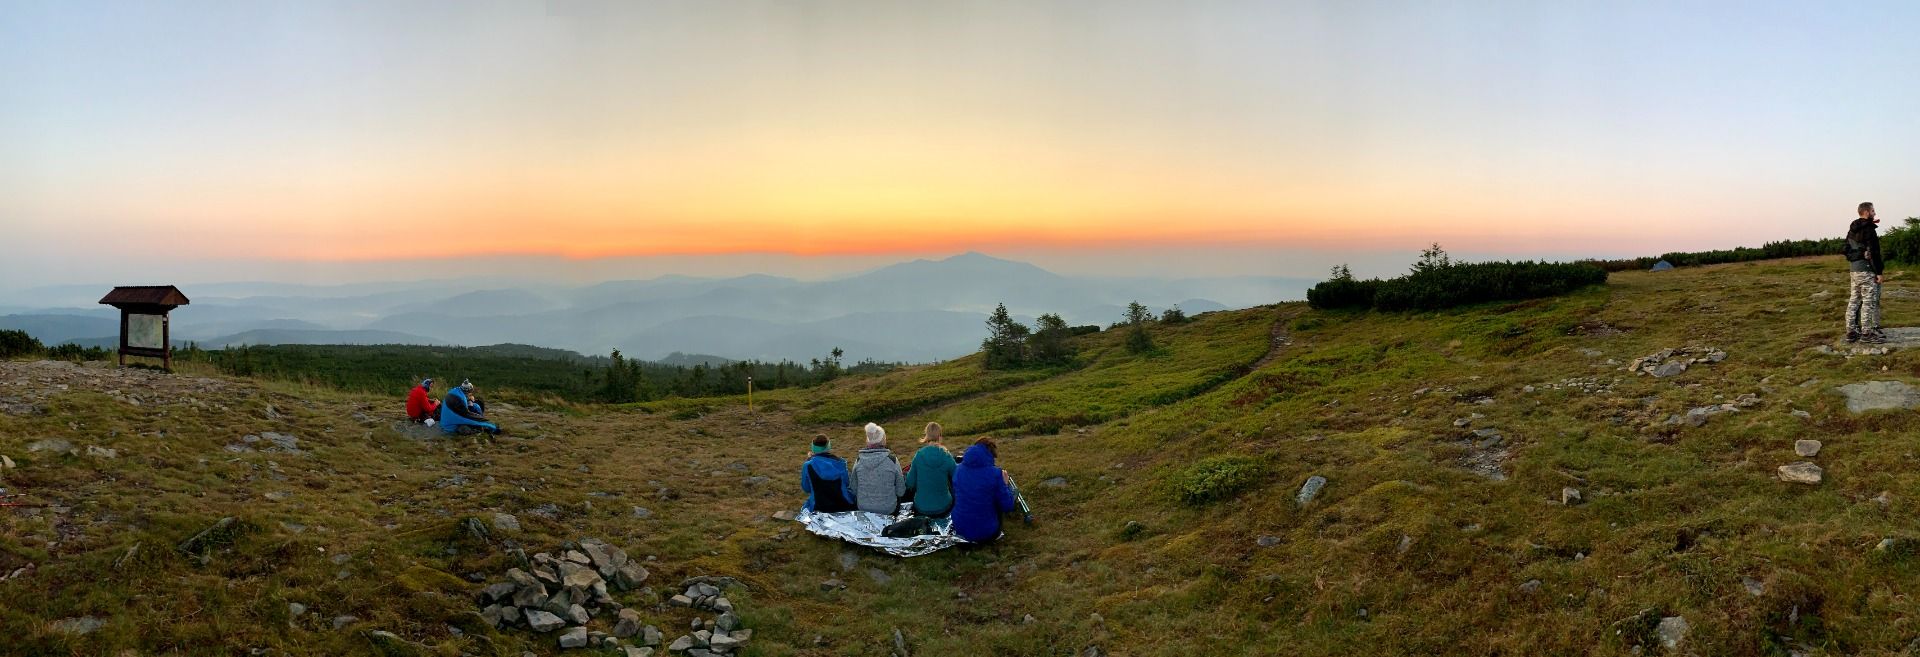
1175	524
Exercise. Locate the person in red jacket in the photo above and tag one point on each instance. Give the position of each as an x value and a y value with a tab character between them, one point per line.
420	404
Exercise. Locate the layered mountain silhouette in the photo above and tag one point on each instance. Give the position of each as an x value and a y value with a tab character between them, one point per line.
917	311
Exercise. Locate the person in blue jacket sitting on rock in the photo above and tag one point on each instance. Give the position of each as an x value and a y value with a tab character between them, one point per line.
824	478
461	414
981	493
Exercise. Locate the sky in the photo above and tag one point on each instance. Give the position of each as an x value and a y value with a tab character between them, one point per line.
331	141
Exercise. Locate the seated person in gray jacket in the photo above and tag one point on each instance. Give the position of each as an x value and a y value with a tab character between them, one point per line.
878	483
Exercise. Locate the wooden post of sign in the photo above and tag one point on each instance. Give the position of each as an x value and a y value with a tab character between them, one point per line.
749	394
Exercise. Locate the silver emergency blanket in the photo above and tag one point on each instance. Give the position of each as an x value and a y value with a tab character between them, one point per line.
863	528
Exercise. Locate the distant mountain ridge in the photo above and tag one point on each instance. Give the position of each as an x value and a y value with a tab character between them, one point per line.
915	311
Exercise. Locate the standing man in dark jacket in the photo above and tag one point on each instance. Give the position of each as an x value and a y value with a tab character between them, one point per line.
1865	264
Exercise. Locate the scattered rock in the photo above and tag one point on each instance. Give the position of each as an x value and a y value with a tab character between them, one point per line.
829	585
628	625
1531	586
1569	496
506	522
54	445
1754	587
344	620
574	638
79	626
1879	395
900	643
1056	482
1801	473
543	621
1806	448
879	576
102	452
296	610
641	512
1672	631
1801	414
1267	541
1309	490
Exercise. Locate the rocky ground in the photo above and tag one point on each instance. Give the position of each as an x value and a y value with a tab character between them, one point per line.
1682	463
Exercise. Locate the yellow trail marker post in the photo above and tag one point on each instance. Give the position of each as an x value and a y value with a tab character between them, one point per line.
749	394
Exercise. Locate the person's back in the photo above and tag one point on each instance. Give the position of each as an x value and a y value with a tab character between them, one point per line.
930	476
420	406
457	416
1865	264
824	478
877	481
980	494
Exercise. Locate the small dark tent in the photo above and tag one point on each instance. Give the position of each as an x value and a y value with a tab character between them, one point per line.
1661	266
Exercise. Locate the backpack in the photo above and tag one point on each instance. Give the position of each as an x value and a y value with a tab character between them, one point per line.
909	528
1856	247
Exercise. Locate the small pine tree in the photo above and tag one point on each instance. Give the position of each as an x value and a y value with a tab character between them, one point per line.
1138	341
1432	258
1006	343
1174	315
1340	273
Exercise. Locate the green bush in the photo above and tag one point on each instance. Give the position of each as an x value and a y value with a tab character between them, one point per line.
1450	285
1460	285
1342	293
1217	478
1768	251
77	353
1902	244
14	344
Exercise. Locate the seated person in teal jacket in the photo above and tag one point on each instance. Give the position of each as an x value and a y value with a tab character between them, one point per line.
930	476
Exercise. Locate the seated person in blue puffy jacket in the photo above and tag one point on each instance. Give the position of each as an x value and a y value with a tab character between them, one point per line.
824	478
459	415
980	494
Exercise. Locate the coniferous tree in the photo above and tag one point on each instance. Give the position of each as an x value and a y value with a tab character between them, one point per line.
1049	345
1138	341
1006	343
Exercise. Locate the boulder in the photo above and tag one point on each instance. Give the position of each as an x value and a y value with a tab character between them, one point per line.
723	643
1672	631
1806	448
542	621
629	576
1668	368
574	638
681	644
578	615
498	592
650	636
628	625
1879	395
506	522
1801	473
1310	489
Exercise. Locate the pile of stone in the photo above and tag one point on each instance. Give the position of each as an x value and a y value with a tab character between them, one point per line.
1670	362
565	590
720	636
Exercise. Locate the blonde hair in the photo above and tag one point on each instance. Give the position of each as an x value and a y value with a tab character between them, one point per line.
934	433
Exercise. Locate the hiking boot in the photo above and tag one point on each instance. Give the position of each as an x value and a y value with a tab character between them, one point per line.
1873	337
1853	336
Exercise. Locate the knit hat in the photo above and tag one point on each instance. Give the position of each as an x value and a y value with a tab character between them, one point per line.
426	383
467	385
876	435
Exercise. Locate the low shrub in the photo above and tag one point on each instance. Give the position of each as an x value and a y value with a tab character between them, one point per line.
1451	285
15	343
1768	251
1217	478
